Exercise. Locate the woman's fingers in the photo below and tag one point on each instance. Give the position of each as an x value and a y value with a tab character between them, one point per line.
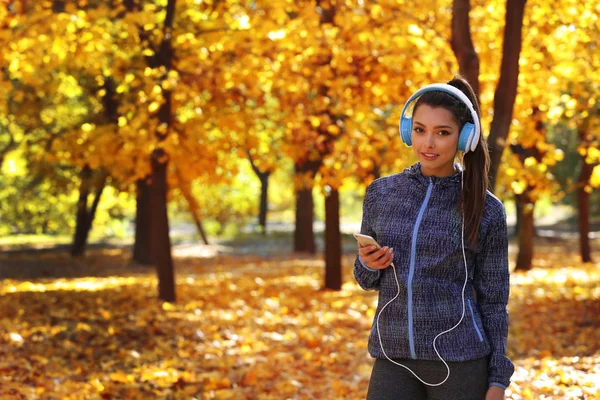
371	253
378	259
385	260
364	250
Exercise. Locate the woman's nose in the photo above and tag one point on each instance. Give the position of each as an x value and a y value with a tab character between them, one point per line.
430	140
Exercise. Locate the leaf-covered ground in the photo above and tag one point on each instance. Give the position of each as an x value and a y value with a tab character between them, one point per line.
255	328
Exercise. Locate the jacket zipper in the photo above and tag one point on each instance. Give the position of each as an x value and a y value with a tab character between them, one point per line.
411	272
474	323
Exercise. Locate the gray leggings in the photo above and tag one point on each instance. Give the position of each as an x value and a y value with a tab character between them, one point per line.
468	380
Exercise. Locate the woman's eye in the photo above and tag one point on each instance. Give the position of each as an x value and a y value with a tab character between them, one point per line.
418	130
444	133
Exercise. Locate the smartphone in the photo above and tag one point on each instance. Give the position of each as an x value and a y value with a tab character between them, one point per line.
366	240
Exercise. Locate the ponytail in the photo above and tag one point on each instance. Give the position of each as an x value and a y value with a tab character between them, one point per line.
476	169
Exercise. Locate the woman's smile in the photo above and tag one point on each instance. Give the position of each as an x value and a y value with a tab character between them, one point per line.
429	156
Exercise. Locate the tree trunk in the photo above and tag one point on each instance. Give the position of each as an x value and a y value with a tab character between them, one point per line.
92	214
159	228
201	230
462	45
519	210
58	6
526	232
129	5
264	190
193	205
141	247
160	241
81	217
304	236
85	217
583	197
45	225
23	7
506	91
583	203
333	241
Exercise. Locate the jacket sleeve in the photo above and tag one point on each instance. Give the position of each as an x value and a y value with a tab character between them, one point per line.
491	281
367	278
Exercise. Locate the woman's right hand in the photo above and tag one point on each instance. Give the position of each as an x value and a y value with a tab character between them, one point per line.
374	258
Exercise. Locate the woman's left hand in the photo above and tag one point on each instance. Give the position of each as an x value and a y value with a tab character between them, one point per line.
495	393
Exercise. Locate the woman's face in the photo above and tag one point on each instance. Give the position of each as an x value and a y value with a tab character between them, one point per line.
435	140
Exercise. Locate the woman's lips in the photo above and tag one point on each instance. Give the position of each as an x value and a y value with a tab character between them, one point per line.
429	156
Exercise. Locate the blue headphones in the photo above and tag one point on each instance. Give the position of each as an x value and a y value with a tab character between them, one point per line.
469	134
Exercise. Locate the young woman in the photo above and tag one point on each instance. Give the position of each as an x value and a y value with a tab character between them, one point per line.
441	324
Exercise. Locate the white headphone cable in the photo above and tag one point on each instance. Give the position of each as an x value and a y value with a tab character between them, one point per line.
462	295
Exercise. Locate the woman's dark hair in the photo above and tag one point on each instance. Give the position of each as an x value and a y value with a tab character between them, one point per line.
477	162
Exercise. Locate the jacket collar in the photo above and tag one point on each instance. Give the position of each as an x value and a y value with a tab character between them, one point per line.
414	172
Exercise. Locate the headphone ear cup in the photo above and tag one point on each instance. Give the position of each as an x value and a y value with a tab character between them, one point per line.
475	140
406	130
466	137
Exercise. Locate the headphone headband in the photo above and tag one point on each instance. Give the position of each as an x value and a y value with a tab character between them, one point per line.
455	92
